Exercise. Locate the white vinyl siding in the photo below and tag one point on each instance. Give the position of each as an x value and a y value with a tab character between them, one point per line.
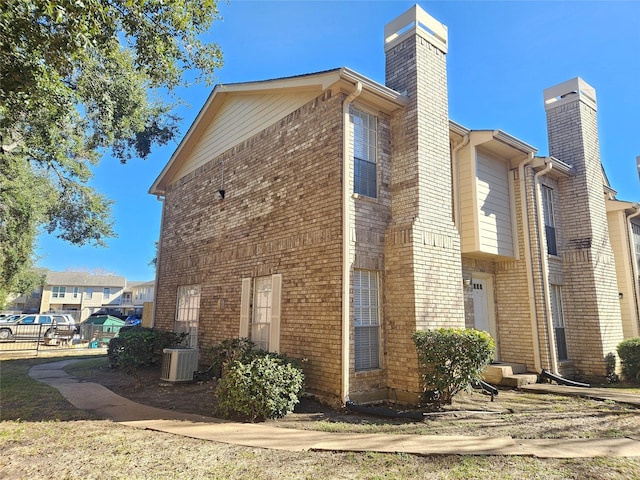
494	206
239	118
366	315
466	209
261	324
188	312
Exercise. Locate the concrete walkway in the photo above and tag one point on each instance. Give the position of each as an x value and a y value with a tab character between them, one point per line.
595	393
106	404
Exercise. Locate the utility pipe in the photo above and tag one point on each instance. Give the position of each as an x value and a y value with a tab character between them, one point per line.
456	181
161	199
346	240
545	268
537	361
634	270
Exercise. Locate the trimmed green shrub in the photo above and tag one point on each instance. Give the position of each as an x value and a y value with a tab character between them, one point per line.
629	353
451	360
229	351
140	346
262	385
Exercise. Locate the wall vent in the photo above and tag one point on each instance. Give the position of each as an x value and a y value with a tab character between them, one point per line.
179	364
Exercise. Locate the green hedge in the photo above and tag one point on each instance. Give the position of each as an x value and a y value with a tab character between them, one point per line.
229	351
260	385
140	346
451	360
629	353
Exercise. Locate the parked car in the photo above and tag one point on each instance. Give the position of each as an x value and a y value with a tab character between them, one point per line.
133	320
45	328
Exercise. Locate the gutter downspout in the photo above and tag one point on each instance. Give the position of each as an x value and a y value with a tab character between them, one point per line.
346	242
545	270
634	269
456	180
537	362
155	286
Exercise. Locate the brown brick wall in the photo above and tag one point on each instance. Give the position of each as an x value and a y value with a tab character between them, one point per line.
281	214
590	294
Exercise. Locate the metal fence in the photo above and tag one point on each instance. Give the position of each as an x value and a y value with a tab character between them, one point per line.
34	338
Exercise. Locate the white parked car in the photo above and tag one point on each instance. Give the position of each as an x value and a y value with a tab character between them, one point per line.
39	327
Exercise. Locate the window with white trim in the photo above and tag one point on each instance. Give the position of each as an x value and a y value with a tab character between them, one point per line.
260	311
365	153
58	292
188	312
557	315
549	222
76	292
106	293
88	293
366	315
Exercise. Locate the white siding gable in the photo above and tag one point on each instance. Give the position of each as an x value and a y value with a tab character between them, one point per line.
239	118
494	206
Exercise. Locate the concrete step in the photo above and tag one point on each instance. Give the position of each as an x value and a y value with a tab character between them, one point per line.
519	380
509	374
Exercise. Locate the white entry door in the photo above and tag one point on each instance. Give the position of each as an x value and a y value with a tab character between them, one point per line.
483	309
481	305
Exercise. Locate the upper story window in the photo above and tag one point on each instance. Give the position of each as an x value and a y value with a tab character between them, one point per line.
106	293
58	292
88	293
365	153
549	222
635	228
76	292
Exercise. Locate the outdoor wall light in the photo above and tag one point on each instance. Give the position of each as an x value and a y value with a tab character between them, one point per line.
467	282
620	295
219	195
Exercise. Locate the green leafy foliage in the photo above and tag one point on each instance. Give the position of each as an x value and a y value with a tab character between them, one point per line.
139	347
259	386
80	79
229	351
451	360
629	353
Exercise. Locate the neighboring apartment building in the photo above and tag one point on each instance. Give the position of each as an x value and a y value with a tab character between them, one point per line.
81	293
135	295
328	217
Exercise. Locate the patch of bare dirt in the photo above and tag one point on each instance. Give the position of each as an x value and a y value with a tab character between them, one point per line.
513	413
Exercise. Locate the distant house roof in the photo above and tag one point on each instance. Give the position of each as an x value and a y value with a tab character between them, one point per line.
84	279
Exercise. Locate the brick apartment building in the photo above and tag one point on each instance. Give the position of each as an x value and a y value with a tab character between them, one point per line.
328	217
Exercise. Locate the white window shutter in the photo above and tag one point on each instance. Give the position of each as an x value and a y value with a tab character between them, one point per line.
245	307
276	289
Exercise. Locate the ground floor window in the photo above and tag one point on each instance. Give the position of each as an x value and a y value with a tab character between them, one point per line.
188	312
558	322
260	311
366	316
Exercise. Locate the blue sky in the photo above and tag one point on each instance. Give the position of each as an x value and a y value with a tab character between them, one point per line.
501	57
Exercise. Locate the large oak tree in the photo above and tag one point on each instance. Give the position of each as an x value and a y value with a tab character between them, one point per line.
80	79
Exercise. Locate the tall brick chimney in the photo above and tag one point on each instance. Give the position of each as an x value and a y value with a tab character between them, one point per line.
590	292
423	272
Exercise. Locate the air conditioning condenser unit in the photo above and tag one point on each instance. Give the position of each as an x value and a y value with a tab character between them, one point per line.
179	364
